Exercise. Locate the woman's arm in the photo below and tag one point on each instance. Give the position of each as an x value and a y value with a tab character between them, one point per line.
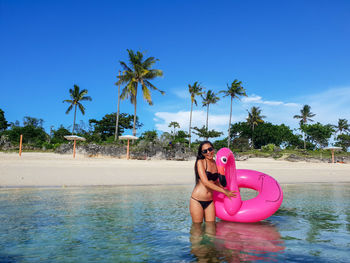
209	184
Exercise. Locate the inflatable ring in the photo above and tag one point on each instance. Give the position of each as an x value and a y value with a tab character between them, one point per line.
265	204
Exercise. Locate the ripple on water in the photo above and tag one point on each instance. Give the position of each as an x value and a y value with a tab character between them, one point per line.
152	224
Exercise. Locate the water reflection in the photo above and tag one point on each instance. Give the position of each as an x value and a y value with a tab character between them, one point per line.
152	224
235	242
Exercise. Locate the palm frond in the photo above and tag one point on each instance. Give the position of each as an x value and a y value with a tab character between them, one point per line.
147	94
149	84
125	66
149	62
81	107
69	108
86	98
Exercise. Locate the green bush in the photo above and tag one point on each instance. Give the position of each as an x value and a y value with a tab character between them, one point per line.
47	145
268	148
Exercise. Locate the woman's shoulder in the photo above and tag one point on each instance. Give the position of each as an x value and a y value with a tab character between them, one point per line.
201	162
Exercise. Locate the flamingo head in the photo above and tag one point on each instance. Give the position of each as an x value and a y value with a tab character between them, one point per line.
225	159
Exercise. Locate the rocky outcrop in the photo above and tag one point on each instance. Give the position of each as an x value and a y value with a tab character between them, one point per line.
5	143
140	152
297	158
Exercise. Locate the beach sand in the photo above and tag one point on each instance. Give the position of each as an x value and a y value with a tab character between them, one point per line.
49	169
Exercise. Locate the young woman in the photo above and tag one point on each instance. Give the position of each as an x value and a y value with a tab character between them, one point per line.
201	202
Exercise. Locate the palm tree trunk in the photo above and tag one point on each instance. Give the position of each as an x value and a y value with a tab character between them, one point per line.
229	127
189	130
134	127
117	118
75	114
304	141
207	121
253	137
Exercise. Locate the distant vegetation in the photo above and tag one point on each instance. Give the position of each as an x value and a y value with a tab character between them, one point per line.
253	135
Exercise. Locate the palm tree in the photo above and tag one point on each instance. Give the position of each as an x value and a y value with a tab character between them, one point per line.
254	118
175	125
139	71
195	90
343	126
210	98
234	91
305	116
77	96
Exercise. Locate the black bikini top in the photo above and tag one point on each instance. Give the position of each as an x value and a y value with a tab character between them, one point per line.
214	176
211	176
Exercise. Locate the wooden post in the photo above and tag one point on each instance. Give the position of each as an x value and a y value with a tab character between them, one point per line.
20	145
127	151
332	155
75	142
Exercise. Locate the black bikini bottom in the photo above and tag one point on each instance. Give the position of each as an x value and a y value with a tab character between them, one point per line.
204	204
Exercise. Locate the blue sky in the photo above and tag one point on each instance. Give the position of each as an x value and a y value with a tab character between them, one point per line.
286	53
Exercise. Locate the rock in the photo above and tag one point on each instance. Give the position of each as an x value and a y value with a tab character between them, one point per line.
144	151
241	157
5	143
295	158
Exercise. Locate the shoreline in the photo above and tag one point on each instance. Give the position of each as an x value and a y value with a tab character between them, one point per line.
43	187
40	170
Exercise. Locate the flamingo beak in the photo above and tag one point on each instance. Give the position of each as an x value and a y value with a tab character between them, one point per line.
221	170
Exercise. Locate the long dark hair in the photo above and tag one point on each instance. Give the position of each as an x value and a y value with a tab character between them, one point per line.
200	156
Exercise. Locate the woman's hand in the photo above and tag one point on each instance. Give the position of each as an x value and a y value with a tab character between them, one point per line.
230	194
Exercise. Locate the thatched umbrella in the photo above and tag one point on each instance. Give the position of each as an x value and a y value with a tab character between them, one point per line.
333	148
74	138
128	137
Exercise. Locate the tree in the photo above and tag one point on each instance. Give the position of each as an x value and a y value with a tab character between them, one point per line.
105	128
138	72
3	122
343	140
234	91
175	125
150	136
76	97
210	98
181	137
58	135
32	131
205	133
195	90
265	133
318	133
343	126
305	116
117	114
254	118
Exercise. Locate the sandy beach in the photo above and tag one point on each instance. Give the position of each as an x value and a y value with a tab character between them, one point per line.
49	169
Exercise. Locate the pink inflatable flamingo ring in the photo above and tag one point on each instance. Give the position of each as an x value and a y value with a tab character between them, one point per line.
265	204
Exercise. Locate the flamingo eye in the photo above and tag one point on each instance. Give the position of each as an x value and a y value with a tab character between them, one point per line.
223	159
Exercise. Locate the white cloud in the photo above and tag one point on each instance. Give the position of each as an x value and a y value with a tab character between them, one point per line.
258	99
252	99
329	106
181	93
218	122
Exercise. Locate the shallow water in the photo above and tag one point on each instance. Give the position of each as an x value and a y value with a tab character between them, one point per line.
152	224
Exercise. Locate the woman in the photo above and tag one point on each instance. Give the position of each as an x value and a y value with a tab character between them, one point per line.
201	202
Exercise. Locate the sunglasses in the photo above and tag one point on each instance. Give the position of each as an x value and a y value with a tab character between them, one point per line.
210	149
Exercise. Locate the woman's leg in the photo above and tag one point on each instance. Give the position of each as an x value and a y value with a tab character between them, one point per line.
196	211
209	213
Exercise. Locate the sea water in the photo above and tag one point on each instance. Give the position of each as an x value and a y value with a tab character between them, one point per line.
152	224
